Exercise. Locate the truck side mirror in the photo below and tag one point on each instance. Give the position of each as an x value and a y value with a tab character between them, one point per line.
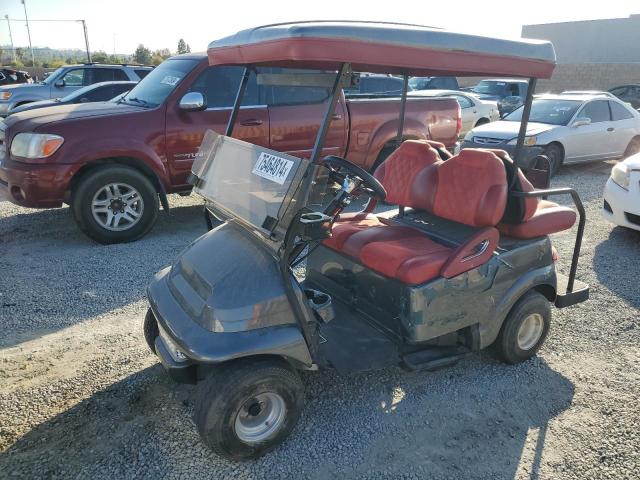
59	83
581	121
192	102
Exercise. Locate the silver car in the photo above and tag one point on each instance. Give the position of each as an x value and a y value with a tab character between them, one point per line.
475	112
65	80
566	128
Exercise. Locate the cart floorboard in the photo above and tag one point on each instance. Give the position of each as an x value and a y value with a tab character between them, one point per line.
351	344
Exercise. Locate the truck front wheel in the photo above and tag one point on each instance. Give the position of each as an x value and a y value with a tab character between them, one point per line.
115	204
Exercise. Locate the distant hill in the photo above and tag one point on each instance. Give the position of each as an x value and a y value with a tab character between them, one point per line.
52	57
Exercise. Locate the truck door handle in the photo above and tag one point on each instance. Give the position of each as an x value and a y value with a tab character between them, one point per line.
610	129
336	116
252	122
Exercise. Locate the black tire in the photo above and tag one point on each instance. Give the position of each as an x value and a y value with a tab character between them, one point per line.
482	121
633	147
221	396
150	330
99	178
555	153
382	156
507	343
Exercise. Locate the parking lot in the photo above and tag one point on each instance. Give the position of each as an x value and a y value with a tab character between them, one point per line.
82	396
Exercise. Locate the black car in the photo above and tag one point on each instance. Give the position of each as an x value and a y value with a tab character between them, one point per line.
9	76
98	92
628	93
376	84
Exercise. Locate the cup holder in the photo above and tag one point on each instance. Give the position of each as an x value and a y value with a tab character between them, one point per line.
320	302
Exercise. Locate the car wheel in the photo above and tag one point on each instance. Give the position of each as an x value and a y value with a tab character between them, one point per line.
150	330
482	121
556	156
247	408
525	328
115	204
633	147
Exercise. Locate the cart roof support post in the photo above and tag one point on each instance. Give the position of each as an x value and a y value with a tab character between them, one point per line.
238	101
525	121
403	108
328	114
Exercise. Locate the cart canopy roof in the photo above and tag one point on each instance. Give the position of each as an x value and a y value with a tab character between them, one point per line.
383	48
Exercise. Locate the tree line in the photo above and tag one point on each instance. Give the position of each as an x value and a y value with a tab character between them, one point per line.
51	58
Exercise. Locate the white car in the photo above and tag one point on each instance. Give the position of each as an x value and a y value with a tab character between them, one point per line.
622	194
567	129
475	112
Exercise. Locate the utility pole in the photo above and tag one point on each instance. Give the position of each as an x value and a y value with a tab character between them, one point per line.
86	39
33	59
13	50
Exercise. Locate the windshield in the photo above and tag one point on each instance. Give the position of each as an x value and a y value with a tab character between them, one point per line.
552	112
248	182
52	76
489	87
420	83
158	85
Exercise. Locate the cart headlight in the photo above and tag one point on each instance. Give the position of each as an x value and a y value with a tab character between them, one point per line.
35	145
620	175
528	141
5	95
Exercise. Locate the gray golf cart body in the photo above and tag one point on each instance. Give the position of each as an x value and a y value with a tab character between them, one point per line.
233	293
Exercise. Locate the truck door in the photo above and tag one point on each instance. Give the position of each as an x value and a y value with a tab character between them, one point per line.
185	130
295	115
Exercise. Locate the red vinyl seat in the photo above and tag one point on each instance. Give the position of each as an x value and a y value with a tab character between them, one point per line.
409	255
548	218
539	217
396	173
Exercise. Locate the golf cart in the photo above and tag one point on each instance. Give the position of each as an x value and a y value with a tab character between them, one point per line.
463	261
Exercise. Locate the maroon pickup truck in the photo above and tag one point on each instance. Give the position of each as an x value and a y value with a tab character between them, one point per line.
115	162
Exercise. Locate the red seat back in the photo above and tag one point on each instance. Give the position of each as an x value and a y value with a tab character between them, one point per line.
398	172
469	188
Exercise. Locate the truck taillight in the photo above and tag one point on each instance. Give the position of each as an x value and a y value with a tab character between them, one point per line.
459	121
554	254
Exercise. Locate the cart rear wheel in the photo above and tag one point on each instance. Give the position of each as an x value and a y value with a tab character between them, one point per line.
150	330
247	408
525	328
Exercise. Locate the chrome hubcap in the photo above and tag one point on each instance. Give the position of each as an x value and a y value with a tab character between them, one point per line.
260	417
117	207
530	331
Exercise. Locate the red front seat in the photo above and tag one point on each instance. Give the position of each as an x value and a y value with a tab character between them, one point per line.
469	188
396	174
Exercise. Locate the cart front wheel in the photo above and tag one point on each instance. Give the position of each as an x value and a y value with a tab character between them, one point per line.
525	328
247	408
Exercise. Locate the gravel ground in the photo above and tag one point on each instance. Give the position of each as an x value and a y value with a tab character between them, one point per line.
82	398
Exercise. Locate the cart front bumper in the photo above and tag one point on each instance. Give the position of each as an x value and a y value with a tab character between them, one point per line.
181	372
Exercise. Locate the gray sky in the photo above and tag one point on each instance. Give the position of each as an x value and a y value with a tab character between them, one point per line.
159	24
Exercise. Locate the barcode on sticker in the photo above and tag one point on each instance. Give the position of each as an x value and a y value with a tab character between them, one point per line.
272	168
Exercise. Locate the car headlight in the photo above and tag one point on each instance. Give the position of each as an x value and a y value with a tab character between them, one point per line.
528	141
5	95
35	145
620	175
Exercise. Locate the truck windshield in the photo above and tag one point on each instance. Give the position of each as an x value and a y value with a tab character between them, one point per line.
52	76
552	112
156	87
487	87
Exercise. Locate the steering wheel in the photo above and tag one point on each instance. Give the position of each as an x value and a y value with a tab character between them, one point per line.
368	183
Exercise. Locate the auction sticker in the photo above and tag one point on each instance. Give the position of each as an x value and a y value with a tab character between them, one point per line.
272	168
169	80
